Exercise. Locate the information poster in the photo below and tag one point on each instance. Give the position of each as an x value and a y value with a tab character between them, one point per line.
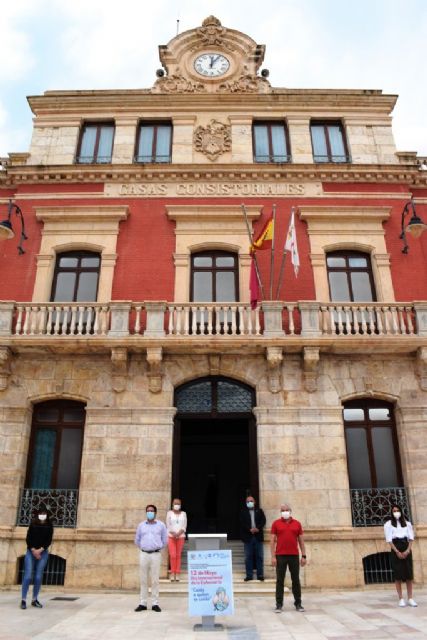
210	583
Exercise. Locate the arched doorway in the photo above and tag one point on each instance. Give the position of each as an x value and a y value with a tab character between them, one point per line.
215	453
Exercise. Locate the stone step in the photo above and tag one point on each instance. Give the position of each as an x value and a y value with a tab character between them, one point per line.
254	587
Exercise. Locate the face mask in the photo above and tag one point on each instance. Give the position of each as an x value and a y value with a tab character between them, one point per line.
250	505
42	517
177	507
397	514
286	515
150	515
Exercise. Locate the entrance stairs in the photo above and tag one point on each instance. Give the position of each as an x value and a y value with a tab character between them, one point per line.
240	586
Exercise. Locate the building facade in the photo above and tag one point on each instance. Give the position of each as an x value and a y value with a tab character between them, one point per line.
133	368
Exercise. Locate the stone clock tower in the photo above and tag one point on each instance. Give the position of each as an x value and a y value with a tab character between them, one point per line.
212	59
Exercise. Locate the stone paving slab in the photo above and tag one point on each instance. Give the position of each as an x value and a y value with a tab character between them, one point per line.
329	615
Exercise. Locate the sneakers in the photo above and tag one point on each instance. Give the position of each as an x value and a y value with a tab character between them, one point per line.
412	602
278	609
156	607
36	603
23	604
141	607
402	603
299	607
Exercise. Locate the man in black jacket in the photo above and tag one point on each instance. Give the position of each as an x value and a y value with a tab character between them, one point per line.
252	523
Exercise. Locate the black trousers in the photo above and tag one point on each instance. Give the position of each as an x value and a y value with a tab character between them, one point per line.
282	563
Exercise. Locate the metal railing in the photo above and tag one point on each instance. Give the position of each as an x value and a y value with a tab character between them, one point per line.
94	159
61	505
332	158
367	319
377	568
372	507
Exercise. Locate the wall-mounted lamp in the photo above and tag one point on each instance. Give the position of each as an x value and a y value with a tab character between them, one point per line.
6	228
415	225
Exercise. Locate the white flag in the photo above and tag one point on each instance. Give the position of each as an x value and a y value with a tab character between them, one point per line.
291	243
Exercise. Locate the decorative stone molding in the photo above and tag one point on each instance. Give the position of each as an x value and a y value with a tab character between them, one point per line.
274	361
177	83
213	140
246	83
5	372
311	365
119	368
421	367
155	375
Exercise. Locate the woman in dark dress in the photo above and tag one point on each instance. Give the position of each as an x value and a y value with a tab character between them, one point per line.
400	535
39	538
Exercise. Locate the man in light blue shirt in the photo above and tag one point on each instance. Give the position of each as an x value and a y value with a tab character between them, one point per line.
150	538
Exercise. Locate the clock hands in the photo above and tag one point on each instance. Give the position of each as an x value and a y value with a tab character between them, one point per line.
213	60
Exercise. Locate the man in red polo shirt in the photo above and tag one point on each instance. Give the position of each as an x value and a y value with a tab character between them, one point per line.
286	536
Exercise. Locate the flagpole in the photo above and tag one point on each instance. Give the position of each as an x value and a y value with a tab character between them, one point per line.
282	265
253	253
272	253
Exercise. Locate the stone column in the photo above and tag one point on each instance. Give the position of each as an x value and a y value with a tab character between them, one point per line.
6	317
310	325
273	322
119	325
421	318
125	135
155	319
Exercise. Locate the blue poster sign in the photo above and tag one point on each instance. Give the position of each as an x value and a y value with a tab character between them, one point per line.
210	583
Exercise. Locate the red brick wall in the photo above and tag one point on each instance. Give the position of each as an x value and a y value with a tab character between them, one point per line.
146	243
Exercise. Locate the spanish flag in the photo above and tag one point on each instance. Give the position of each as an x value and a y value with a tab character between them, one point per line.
264	237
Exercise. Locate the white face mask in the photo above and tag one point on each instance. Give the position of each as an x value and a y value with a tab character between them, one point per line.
286	515
177	507
397	514
42	517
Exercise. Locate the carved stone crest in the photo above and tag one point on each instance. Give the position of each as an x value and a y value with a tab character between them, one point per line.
213	139
176	83
212	33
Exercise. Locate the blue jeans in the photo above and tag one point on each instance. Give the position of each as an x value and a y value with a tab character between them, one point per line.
32	565
254	550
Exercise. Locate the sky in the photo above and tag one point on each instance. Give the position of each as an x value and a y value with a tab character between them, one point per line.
95	44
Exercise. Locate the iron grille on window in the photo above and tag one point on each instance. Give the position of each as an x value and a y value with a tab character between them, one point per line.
53	575
372	507
377	568
61	505
213	396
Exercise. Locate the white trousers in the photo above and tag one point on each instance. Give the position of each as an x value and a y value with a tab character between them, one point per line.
149	568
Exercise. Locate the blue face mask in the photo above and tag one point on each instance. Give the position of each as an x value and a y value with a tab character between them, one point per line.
250	505
150	515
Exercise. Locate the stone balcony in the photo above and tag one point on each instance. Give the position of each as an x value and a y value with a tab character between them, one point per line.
340	327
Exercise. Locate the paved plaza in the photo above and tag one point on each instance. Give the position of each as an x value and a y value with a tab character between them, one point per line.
332	615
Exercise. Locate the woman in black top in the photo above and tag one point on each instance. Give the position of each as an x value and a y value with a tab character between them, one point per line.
39	538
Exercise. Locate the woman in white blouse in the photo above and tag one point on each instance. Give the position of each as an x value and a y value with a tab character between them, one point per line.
176	523
400	535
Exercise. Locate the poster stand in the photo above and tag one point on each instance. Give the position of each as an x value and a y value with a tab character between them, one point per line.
207	542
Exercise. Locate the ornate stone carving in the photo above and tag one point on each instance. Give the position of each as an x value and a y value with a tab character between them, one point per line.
247	83
213	140
421	368
5	372
119	368
155	375
177	83
212	33
311	366
274	362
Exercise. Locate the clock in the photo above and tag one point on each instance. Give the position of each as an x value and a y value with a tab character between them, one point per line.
211	65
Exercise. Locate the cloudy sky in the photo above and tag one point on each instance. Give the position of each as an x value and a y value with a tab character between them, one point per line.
95	44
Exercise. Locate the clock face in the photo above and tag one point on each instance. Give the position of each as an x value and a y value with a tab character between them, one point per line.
211	65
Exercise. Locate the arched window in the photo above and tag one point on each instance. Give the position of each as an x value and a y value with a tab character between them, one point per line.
54	460
76	277
373	461
350	277
214	277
